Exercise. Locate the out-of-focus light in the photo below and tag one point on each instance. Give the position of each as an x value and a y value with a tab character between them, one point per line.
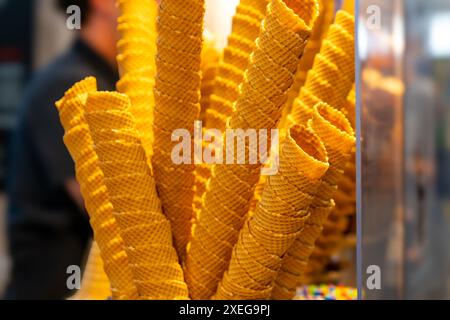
438	43
363	41
398	36
218	19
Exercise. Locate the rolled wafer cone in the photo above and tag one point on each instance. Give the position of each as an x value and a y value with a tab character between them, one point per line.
180	70
136	59
93	190
338	220
138	231
334	130
338	137
296	260
83	87
71	113
78	141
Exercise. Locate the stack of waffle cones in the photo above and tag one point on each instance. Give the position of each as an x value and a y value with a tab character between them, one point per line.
337	135
337	224
262	95
136	59
145	230
332	75
229	75
106	232
253	236
177	97
278	218
95	284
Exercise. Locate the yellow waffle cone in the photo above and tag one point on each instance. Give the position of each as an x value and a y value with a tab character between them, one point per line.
136	59
175	70
131	193
90	177
337	136
339	218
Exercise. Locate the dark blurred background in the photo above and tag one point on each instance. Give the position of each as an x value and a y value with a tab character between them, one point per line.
32	34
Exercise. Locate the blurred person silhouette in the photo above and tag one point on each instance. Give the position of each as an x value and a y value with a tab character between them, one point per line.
48	228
